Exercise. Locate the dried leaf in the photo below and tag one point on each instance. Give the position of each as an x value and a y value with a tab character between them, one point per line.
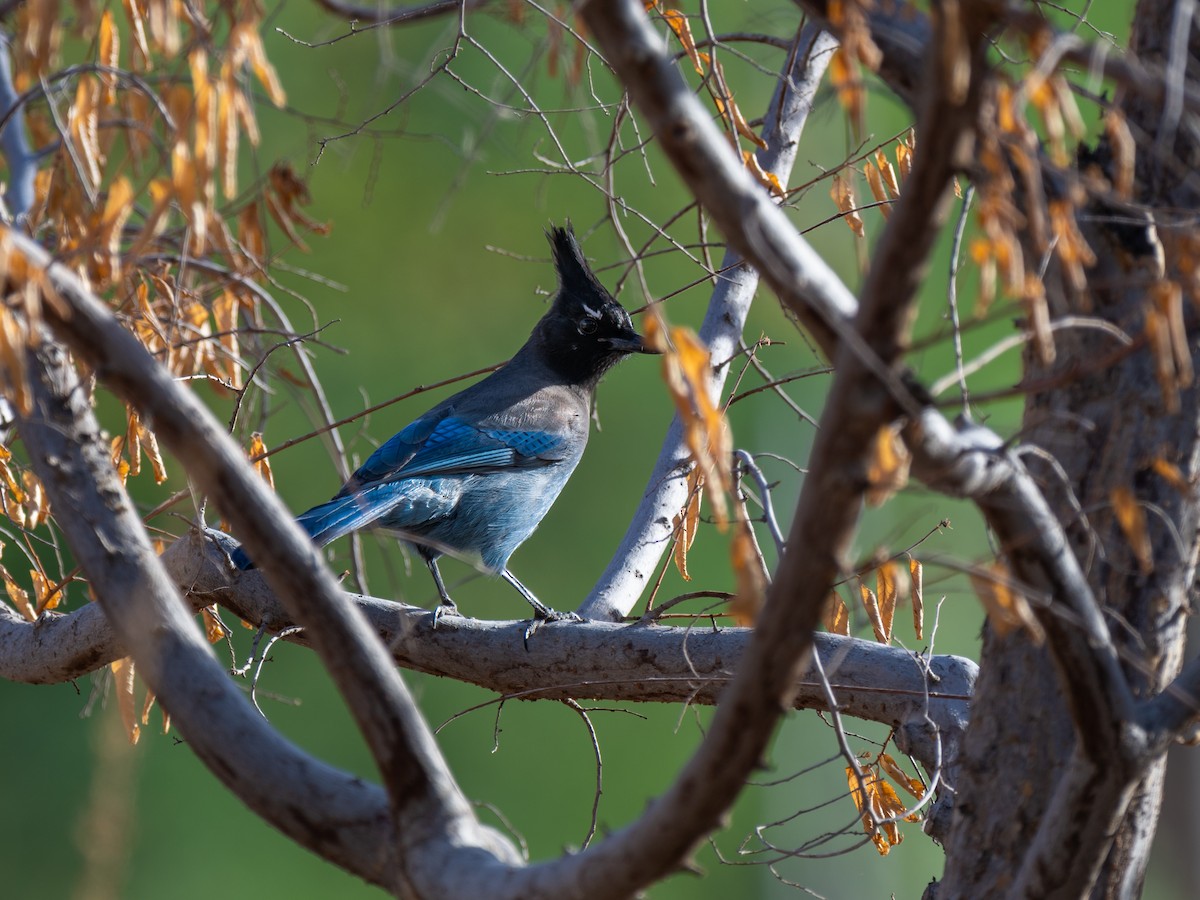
147	705
767	179
1132	519
262	462
48	595
1124	151
686	521
122	670
887	470
214	629
916	574
109	46
748	570
1033	296
1006	607
18	595
846	79
871	604
887	173
13	341
904	154
225	310
82	122
902	778
250	233
686	371
683	31
137	24
149	443
878	191
888	593
259	64
117	207
835	616
1171	474
843	196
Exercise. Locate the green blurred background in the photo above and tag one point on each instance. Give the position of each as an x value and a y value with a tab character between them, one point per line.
437	213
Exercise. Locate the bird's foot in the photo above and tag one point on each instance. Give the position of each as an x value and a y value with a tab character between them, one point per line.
445	609
544	614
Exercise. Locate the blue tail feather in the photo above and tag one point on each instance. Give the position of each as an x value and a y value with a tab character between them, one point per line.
324	523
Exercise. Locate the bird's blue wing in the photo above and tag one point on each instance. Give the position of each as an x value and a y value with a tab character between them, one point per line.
432	447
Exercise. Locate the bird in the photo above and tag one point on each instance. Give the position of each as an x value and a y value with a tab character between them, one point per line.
475	475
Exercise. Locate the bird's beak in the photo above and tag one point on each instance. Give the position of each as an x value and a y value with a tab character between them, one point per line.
631	343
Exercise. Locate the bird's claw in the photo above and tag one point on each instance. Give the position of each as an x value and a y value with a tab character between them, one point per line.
444	609
545	615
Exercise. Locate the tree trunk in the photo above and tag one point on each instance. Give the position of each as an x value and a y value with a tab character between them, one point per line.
1105	415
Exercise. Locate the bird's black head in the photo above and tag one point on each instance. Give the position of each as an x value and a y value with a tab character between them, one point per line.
586	332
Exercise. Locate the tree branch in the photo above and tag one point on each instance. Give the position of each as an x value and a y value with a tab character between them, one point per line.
650	531
330	812
420	786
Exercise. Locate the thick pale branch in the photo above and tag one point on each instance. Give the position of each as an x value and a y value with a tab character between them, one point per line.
330	812
925	698
419	783
650	531
823	527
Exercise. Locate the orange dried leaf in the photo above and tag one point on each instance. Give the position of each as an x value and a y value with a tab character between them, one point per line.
686	371
214	628
878	191
109	47
1132	519
902	778
846	80
904	158
767	179
683	31
227	137
149	443
887	173
887	470
916	574
843	195
1171	474
137	24
1124	151
748	571
13	341
887	592
250	233
262	463
1007	609
122	670
836	616
686	521
48	596
18	595
37	501
225	310
871	604
147	705
729	106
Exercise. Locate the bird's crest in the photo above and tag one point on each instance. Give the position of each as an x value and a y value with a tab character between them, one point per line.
576	281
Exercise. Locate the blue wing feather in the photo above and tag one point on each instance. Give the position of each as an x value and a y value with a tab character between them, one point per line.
410	481
449	446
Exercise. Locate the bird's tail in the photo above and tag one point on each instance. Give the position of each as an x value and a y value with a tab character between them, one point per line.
325	523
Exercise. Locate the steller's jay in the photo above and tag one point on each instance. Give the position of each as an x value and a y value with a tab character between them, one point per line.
476	474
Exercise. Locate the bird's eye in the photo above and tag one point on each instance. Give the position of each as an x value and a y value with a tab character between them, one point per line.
587	325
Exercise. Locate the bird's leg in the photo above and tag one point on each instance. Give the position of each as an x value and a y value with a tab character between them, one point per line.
541	612
447	607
